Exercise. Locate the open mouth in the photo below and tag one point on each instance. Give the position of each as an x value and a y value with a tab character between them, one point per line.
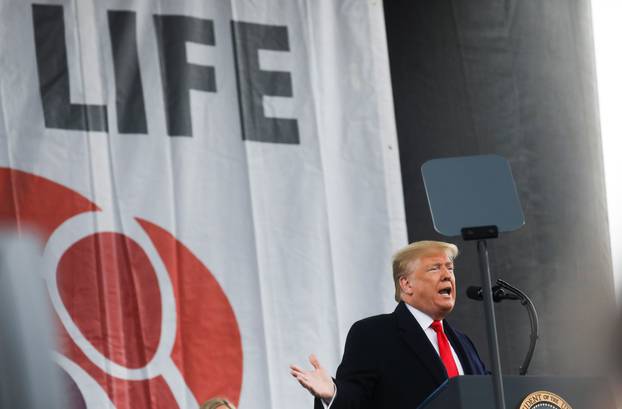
445	291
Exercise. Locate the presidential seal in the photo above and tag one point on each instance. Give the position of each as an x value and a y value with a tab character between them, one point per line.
543	400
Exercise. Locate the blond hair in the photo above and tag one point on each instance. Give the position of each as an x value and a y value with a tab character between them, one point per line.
404	256
216	402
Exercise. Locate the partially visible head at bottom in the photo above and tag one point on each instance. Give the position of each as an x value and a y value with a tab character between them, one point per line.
218	403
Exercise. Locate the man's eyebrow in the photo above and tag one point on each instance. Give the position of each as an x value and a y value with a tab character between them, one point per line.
449	263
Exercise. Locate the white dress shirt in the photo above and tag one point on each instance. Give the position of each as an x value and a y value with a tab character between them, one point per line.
424	321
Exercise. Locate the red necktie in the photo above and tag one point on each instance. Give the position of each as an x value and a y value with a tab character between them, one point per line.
444	350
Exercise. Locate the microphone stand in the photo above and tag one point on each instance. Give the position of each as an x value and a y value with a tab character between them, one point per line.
533	322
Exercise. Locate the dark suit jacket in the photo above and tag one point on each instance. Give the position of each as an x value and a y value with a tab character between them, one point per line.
389	363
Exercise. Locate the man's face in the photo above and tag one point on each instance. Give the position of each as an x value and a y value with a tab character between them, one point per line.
430	286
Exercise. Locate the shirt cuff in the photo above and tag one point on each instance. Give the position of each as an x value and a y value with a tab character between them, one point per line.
328	404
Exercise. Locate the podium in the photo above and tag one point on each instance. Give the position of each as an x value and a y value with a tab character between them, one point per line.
476	392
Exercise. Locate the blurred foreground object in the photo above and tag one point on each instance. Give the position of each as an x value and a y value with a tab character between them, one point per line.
28	376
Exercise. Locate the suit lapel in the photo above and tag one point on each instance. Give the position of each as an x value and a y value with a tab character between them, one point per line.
458	347
415	338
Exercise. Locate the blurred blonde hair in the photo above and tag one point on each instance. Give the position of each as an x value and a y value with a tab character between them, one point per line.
404	256
216	402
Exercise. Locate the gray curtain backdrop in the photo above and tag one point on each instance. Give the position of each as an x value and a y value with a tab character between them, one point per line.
514	78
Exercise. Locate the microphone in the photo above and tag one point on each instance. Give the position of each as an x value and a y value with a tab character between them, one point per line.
498	294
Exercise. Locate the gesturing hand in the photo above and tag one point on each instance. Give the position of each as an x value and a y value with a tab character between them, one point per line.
317	381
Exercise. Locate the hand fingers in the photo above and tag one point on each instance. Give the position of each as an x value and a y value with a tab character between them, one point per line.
303	380
314	361
306	386
297	372
296	368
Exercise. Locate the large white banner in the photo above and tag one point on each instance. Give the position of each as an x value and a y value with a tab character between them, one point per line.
216	184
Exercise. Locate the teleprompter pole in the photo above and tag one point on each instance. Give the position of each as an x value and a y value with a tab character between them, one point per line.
491	327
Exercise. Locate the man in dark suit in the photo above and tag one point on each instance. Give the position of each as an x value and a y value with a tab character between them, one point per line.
396	360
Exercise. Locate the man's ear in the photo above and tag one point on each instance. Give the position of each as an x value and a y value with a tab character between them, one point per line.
405	285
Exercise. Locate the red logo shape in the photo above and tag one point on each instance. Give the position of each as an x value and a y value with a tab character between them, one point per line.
140	317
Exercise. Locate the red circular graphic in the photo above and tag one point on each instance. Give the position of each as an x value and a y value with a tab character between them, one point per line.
108	285
126	293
